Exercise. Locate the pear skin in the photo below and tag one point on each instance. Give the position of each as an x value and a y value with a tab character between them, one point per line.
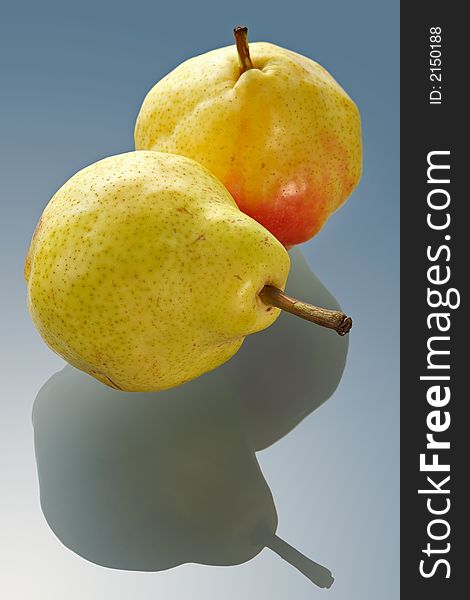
144	273
282	136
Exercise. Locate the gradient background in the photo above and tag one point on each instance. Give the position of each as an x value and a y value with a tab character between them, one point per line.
73	78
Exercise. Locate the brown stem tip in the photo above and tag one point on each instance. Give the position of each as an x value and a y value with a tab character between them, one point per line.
333	319
241	39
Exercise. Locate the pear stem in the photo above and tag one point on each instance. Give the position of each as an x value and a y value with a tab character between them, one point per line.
241	39
333	319
317	574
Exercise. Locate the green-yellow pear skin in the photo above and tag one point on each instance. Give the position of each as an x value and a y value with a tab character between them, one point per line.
272	125
143	272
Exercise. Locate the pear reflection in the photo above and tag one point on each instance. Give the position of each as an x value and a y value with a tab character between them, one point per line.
288	370
149	481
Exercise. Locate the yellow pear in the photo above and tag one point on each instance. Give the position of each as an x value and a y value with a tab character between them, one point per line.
143	272
272	125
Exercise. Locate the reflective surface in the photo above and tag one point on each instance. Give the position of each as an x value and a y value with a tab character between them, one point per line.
73	81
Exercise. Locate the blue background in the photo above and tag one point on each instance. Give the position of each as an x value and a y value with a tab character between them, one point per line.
73	78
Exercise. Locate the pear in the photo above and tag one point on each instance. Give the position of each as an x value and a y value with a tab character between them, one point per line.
144	273
155	482
274	126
